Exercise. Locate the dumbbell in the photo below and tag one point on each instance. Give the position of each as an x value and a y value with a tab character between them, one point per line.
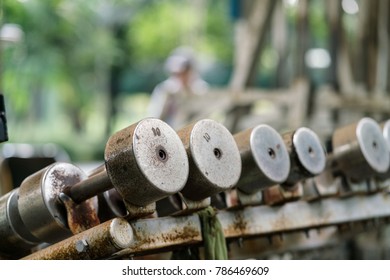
215	167
32	213
214	159
15	238
307	155
265	159
359	151
307	159
143	162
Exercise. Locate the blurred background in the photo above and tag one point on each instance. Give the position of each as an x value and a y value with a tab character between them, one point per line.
73	72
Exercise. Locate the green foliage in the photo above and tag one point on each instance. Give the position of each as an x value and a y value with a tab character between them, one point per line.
57	77
318	24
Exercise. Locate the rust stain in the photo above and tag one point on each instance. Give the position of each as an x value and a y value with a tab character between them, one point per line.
238	227
178	235
80	216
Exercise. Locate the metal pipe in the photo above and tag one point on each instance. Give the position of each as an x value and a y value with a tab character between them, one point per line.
93	185
96	243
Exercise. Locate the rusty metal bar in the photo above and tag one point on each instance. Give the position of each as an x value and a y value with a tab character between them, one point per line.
96	243
162	234
90	187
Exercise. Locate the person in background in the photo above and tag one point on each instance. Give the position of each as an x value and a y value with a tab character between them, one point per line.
171	99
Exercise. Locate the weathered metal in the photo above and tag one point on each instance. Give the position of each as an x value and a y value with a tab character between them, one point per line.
96	243
265	160
163	234
215	164
307	155
90	187
301	215
277	195
80	216
39	206
359	150
15	239
146	162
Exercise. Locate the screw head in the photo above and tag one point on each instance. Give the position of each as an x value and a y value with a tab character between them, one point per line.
82	246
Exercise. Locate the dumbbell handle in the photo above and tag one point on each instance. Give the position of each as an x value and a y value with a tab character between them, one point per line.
97	182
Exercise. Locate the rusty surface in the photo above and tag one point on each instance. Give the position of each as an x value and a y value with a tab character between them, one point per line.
300	215
167	232
90	187
80	216
39	205
100	239
277	195
163	234
146	162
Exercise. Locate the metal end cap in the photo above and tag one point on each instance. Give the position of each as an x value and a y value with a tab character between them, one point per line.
160	156
270	153
309	150
386	133
121	233
373	144
215	154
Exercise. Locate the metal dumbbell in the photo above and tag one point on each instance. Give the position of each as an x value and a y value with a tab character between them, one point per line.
215	163
307	159
32	213
265	159
360	151
307	155
215	166
15	238
144	162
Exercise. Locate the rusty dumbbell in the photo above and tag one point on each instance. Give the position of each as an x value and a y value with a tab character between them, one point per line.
215	166
32	213
143	162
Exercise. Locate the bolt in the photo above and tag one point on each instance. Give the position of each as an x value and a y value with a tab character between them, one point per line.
82	246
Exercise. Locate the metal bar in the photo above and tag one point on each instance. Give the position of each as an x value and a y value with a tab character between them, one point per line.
301	215
164	233
96	243
90	187
161	234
